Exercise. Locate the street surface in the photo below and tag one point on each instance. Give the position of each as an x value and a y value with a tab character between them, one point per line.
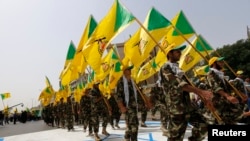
39	131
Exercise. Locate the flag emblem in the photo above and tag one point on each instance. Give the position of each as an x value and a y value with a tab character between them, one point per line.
188	58
145	71
101	44
141	45
105	66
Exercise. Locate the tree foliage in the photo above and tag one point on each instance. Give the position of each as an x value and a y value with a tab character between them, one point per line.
237	57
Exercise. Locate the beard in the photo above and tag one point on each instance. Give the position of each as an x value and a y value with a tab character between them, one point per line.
218	67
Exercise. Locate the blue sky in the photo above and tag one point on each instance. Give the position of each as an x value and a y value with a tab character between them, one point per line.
35	34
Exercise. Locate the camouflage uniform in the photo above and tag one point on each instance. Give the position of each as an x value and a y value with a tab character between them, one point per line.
51	114
98	109
131	117
44	114
62	112
70	114
206	113
153	111
144	113
75	110
159	99
229	112
116	113
179	106
239	85
56	114
48	114
85	106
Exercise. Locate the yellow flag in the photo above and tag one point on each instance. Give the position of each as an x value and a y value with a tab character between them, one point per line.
139	46
46	95
182	25
66	75
116	20
88	31
77	95
115	75
57	97
79	61
48	84
5	95
147	70
161	57
201	70
105	66
194	54
153	66
63	94
67	67
115	69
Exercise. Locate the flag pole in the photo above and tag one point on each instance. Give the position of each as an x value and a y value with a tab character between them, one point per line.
2	101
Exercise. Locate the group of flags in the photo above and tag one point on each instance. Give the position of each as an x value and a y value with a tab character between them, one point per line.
98	59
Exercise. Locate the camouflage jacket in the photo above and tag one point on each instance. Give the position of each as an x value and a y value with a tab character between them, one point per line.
97	102
178	101
158	96
239	85
120	95
85	104
69	108
113	104
216	83
62	108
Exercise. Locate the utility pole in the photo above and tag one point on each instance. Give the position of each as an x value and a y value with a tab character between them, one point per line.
248	33
32	104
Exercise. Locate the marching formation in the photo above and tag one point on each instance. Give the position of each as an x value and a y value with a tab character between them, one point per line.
173	94
96	89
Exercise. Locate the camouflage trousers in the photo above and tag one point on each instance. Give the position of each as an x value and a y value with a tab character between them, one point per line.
144	113
178	125
70	121
86	120
62	120
116	117
164	116
132	125
158	107
57	120
95	120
